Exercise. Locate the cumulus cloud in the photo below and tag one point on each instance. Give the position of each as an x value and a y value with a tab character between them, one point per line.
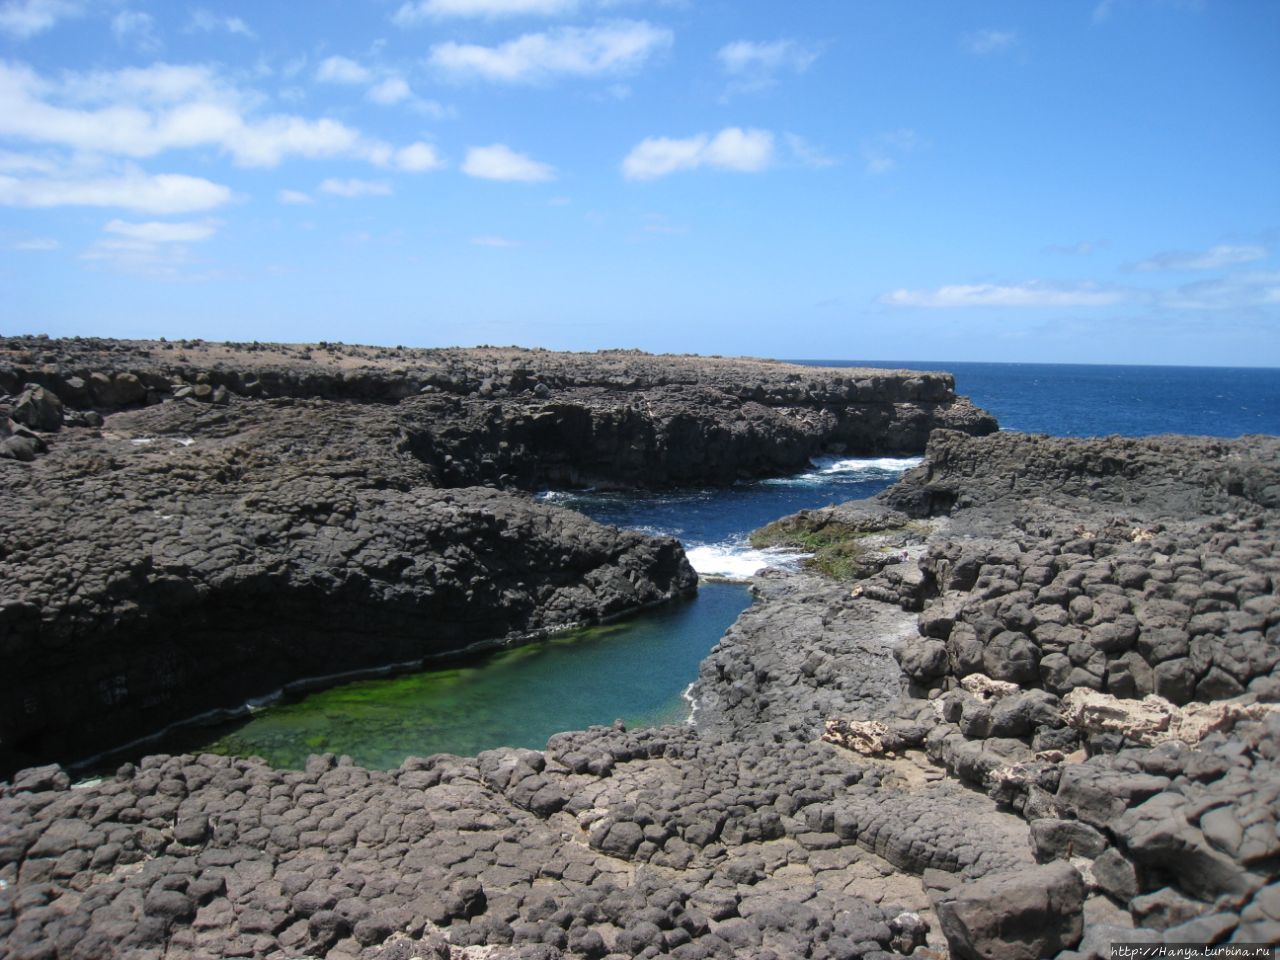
609	49
23	19
342	70
500	162
159	231
163	193
984	42
1027	295
390	91
808	154
419	11
885	151
136	29
294	197
11	162
418	158
141	112
732	148
205	21
754	66
1215	258
355	188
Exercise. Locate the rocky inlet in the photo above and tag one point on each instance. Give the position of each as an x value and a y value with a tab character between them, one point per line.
1022	706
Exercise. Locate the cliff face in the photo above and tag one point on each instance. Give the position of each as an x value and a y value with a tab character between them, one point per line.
188	526
189	556
529	418
1168	477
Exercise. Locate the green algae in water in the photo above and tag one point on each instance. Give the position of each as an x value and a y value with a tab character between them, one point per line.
637	670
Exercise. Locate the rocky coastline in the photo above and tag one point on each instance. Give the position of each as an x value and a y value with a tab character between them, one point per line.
194	524
1027	709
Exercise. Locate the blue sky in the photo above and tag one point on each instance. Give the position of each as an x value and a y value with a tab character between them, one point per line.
860	179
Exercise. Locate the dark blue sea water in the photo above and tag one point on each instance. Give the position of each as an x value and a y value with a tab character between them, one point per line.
639	670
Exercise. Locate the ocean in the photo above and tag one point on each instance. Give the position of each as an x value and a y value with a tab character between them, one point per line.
640	671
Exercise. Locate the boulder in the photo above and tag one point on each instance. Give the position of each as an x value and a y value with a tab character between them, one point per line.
39	409
1053	839
1157	834
1025	915
923	660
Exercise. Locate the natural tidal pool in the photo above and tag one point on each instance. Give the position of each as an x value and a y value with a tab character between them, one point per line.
636	671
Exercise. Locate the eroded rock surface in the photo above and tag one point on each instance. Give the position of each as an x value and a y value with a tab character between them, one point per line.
1094	645
526	417
248	515
995	805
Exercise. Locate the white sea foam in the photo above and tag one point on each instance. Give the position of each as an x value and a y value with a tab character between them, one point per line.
826	469
832	465
555	496
690	699
737	559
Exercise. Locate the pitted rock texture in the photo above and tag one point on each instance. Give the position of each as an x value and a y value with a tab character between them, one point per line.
805	651
1041	571
655	843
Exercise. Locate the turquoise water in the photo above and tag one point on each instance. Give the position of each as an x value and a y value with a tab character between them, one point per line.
636	671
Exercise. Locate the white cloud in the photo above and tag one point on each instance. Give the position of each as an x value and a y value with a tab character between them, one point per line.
294	197
163	193
342	70
390	91
494	242
418	11
1026	295
1222	255
500	162
733	148
754	66
136	29
984	42
204	21
23	19
161	84
613	48
432	108
1237	292
883	152
35	245
418	158
156	231
356	188
11	162
156	259
808	154
140	112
